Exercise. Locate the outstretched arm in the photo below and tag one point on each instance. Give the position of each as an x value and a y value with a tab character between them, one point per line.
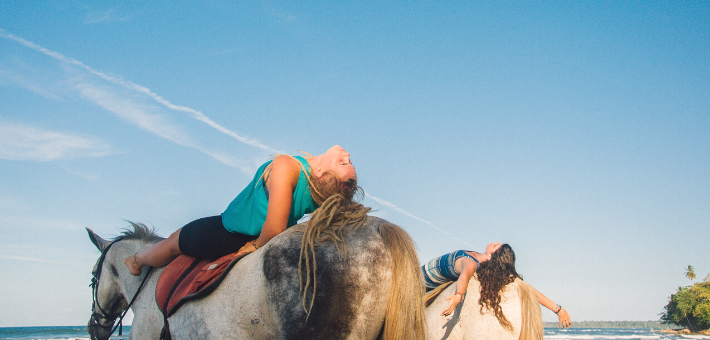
562	314
469	267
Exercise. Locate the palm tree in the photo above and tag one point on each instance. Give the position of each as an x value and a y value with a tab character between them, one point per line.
690	272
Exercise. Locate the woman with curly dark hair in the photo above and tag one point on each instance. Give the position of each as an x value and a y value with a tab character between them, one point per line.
494	269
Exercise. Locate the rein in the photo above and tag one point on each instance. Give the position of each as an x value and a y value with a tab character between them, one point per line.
94	293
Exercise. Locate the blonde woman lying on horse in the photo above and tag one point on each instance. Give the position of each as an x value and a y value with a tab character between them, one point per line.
495	268
282	192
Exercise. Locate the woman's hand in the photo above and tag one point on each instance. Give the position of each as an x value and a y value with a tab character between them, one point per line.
565	320
455	300
246	249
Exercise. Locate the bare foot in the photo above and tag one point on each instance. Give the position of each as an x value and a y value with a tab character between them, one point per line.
132	265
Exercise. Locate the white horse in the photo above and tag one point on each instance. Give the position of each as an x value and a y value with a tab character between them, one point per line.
260	298
518	302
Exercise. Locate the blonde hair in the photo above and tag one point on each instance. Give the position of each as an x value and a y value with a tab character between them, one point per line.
531	327
405	318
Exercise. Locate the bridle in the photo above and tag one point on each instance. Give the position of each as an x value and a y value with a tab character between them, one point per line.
101	313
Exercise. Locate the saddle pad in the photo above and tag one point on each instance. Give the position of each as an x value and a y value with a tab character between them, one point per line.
188	278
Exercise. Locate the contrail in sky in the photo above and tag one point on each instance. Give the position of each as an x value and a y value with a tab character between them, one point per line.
142	89
194	113
400	210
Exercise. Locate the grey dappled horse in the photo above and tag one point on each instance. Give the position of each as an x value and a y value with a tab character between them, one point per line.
518	302
260	299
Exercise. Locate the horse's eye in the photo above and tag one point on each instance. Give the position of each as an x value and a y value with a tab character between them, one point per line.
114	270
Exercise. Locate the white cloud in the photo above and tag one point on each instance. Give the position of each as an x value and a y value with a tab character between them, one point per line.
149	118
141	89
28	84
226	159
27	143
134	113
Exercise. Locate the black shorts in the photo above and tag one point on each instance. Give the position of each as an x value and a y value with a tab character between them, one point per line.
207	238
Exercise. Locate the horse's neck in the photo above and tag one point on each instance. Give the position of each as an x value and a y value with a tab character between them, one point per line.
147	320
129	282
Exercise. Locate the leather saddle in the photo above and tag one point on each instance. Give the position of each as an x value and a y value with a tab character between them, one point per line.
189	278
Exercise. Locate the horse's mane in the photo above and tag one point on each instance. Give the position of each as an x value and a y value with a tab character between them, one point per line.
140	232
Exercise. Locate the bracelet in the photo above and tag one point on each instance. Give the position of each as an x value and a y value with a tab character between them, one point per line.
254	243
558	309
462	293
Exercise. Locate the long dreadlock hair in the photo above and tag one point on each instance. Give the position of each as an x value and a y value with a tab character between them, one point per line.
338	210
494	275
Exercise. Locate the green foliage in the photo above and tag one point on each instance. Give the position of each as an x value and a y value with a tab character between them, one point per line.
690	306
690	273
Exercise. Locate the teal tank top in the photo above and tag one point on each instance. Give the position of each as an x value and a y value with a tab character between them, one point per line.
247	213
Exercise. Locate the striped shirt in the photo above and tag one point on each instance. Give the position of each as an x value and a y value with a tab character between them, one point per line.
441	269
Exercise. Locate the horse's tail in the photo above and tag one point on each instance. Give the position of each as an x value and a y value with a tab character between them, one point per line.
531	327
404	318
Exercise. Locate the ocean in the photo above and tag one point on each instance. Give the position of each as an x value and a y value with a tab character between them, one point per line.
79	332
611	333
52	333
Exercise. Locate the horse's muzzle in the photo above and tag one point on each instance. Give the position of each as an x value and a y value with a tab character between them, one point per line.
98	330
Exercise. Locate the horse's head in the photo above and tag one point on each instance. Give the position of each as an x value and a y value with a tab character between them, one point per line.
108	300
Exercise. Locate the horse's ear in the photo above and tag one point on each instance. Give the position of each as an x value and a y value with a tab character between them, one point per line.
97	240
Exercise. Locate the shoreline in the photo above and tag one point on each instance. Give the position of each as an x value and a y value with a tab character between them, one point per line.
682	331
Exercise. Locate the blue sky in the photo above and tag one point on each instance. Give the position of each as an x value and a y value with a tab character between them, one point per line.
577	132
